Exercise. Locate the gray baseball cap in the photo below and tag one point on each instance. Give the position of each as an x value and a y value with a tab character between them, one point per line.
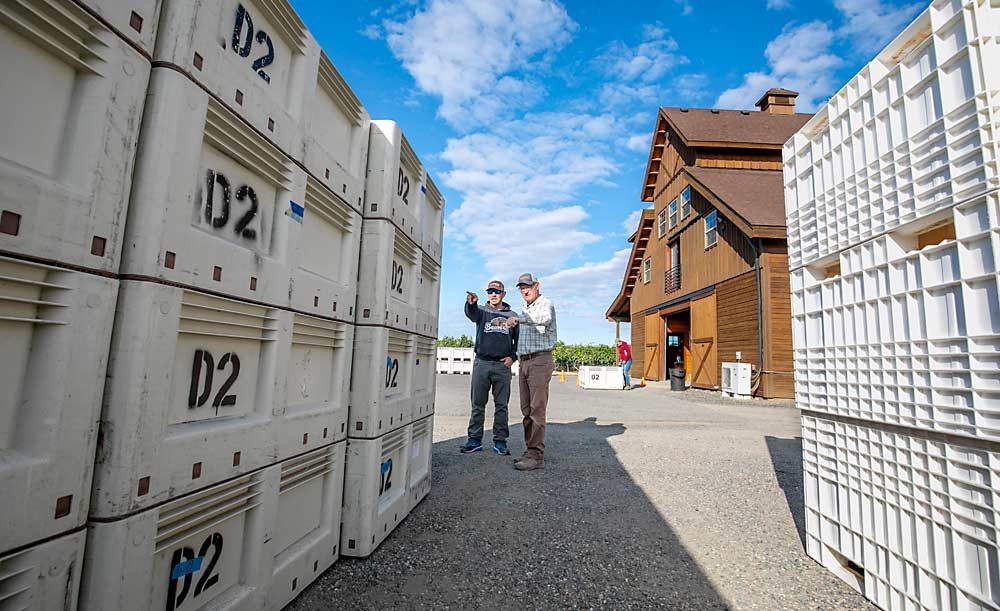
528	279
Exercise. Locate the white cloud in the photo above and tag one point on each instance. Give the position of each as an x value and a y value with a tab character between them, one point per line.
803	58
639	143
870	24
468	52
655	54
632	221
800	58
518	183
686	7
582	295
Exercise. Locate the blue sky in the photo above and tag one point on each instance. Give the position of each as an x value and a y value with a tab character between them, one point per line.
534	117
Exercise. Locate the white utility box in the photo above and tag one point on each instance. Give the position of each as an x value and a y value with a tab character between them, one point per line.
736	380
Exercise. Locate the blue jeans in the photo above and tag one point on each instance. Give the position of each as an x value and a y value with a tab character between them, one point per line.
626	367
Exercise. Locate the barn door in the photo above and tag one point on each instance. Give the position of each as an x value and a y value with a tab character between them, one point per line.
704	348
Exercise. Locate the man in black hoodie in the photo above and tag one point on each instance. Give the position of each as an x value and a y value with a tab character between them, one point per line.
496	351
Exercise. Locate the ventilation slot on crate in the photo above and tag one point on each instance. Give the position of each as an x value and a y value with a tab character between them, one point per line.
199	512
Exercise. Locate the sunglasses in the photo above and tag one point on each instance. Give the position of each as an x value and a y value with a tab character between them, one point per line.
494	292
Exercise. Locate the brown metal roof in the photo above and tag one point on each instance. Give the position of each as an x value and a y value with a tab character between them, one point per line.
756	195
701	126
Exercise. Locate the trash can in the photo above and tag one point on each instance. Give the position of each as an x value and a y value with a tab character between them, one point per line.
677	378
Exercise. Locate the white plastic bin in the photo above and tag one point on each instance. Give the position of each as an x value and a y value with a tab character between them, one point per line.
444	360
383	379
432	220
462	360
424	377
71	115
56	330
878	501
255	56
911	133
306	522
134	20
601	378
46	576
418	481
335	141
375	491
395	180
923	322
202	389
214	204
428	296
252	542
388	277
324	278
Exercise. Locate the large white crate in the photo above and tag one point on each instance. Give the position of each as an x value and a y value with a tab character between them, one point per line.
325	257
424	374
389	278
203	388
602	378
256	56
306	522
336	133
443	360
375	491
418	477
55	328
432	220
394	185
910	521
213	203
43	577
428	296
904	334
384	379
913	132
462	360
134	20
252	542
69	132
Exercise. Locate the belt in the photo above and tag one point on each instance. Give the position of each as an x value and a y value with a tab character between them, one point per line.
531	355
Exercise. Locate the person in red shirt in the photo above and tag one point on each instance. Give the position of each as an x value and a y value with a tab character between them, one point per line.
625	359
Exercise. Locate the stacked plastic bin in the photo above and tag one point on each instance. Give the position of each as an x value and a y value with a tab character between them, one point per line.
220	464
392	384
894	234
70	126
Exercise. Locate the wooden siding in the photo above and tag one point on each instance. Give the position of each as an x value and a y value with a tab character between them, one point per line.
739	159
737	313
638	329
704	343
701	268
777	303
675	156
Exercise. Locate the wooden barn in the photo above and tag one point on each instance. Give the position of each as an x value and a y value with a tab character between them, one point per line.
707	279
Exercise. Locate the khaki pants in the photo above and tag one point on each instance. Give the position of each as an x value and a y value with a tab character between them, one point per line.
533	380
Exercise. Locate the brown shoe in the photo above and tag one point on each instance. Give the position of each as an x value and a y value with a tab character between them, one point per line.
529	464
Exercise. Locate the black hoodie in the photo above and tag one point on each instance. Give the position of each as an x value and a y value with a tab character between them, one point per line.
494	340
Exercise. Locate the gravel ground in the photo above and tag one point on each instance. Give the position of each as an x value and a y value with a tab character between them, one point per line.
649	500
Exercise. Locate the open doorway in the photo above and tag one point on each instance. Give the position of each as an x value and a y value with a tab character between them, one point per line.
677	330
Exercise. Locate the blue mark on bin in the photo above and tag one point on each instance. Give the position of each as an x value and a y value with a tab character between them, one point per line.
186	568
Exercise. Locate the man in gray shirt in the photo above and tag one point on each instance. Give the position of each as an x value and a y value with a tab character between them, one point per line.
534	351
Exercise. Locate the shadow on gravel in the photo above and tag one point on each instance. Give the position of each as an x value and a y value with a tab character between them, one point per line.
786	458
579	534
